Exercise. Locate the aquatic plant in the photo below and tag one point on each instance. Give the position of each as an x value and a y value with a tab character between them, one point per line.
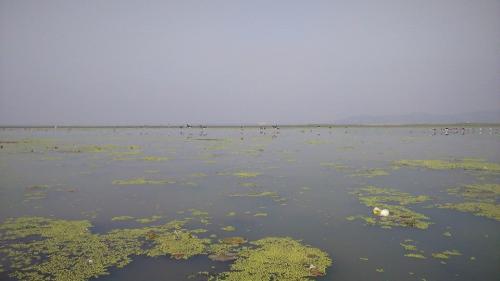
370	173
261	214
482	209
38	248
142	181
148	220
411	249
396	202
465	164
246	174
180	244
228	228
276	258
444	255
256	194
480	200
122	218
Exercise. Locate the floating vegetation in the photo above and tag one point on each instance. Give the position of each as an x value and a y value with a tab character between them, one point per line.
228	228
488	210
446	254
277	259
447	234
480	200
411	249
246	174
248	184
231	214
227	249
180	244
154	158
396	202
256	194
122	218
260	214
198	175
336	166
370	173
316	142
142	181
148	220
37	248
471	164
198	213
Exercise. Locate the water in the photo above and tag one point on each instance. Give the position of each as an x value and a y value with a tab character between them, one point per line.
289	160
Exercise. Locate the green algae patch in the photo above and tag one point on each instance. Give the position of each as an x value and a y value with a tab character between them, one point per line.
148	220
397	203
248	184
246	175
488	210
228	228
470	164
256	194
446	254
480	200
122	218
411	250
179	244
37	248
154	158
260	214
370	173
142	181
275	258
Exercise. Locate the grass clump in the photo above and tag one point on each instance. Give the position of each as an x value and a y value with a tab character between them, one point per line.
396	202
276	258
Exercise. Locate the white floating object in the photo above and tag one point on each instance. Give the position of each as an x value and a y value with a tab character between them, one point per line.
384	213
376	211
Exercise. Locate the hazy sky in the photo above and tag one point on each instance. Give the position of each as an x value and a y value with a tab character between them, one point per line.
158	62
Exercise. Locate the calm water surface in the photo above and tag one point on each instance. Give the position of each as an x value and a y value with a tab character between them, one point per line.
316	198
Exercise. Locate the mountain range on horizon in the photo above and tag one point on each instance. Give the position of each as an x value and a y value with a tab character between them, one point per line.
492	116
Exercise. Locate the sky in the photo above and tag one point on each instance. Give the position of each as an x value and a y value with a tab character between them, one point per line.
122	62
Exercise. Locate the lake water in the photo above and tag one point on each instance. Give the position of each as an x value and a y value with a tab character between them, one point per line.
310	173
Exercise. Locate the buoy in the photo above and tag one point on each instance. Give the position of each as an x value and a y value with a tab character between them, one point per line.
384	213
376	211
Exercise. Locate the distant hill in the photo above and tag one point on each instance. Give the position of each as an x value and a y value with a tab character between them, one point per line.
424	118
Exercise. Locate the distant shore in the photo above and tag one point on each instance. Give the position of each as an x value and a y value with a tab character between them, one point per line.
198	126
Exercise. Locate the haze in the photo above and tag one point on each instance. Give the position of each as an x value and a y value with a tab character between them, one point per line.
230	62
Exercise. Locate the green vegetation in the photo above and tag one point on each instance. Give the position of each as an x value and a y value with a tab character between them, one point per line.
411	249
471	164
480	200
256	194
246	174
228	228
122	218
142	181
260	214
446	254
396	202
148	220
277	259
370	173
38	248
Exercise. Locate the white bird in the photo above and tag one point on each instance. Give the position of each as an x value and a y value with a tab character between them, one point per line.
384	213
